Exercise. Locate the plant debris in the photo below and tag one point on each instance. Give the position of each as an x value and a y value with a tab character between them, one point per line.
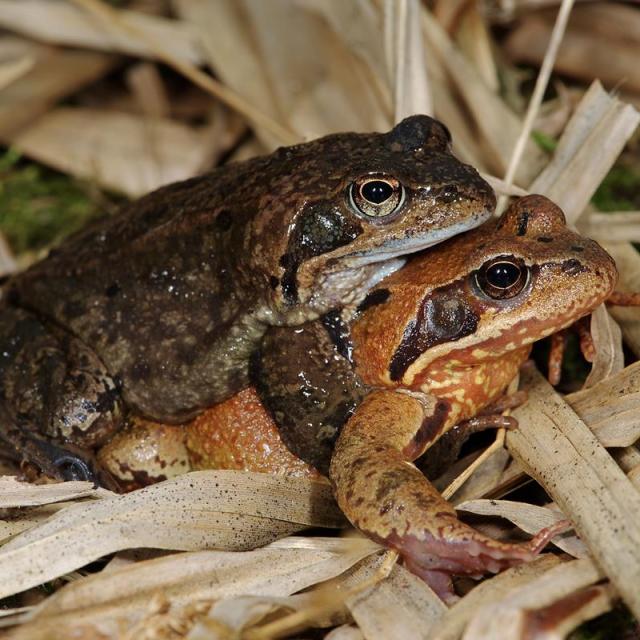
121	97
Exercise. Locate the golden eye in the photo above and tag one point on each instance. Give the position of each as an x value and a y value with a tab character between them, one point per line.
376	196
502	278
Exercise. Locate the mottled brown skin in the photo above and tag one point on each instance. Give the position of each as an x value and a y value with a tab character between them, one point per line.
439	351
309	386
433	350
172	295
241	435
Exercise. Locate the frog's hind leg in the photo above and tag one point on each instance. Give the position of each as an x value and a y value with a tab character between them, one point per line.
387	497
57	400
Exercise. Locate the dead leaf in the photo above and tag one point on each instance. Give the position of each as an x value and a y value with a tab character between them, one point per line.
203	510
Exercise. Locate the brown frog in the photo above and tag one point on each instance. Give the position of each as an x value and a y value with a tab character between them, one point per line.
433	345
159	308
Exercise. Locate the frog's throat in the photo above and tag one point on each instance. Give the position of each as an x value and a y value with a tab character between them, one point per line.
352	284
349	274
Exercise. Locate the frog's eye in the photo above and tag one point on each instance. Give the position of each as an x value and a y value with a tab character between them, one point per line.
502	278
376	196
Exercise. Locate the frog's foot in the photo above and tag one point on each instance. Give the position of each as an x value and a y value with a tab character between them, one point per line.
58	401
66	462
72	463
624	299
389	499
454	548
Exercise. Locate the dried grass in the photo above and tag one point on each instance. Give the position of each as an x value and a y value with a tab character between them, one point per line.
358	66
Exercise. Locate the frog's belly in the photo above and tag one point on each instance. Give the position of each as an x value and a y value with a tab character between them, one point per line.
236	434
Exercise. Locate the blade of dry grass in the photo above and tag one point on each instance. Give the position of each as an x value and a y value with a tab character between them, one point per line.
607	339
333	83
560	618
345	632
529	518
610	410
62	23
128	153
590	144
601	42
148	89
13	522
551	51
111	19
475	41
278	570
611	407
209	509
14	493
558	450
416	609
475	481
495	123
618	226
628	263
406	58
453	622
11	71
508	617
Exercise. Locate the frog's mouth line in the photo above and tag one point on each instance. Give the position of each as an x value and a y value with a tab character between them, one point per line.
397	247
347	275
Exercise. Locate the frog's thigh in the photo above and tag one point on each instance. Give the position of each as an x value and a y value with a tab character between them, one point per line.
387	497
370	469
52	384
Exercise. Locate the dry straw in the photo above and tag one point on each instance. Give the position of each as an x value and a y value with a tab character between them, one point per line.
358	66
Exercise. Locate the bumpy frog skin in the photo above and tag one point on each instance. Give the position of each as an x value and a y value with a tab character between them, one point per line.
434	344
160	307
454	329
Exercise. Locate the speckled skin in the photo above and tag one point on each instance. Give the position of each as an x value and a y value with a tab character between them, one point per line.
174	293
439	350
248	439
431	349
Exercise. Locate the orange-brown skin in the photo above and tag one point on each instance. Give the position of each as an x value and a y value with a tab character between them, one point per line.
154	452
240	434
424	393
426	380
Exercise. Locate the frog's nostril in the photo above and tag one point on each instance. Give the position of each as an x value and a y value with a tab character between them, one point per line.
573	267
448	195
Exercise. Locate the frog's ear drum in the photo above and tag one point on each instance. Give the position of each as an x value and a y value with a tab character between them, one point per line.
416	133
533	215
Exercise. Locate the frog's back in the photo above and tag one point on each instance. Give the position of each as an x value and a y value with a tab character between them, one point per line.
175	292
150	289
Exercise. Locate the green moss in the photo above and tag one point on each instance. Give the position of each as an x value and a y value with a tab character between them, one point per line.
38	206
620	190
545	142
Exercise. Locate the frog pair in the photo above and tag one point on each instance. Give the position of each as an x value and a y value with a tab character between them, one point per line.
161	309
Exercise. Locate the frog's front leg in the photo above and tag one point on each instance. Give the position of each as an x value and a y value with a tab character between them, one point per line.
389	499
57	400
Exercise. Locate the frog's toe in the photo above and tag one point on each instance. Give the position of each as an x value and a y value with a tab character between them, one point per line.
71	467
70	463
460	550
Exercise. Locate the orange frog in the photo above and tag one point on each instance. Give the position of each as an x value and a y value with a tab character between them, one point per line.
431	346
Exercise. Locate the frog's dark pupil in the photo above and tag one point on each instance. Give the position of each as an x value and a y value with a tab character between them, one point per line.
503	275
376	191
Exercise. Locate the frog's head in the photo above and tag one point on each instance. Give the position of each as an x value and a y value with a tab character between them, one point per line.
481	296
341	210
